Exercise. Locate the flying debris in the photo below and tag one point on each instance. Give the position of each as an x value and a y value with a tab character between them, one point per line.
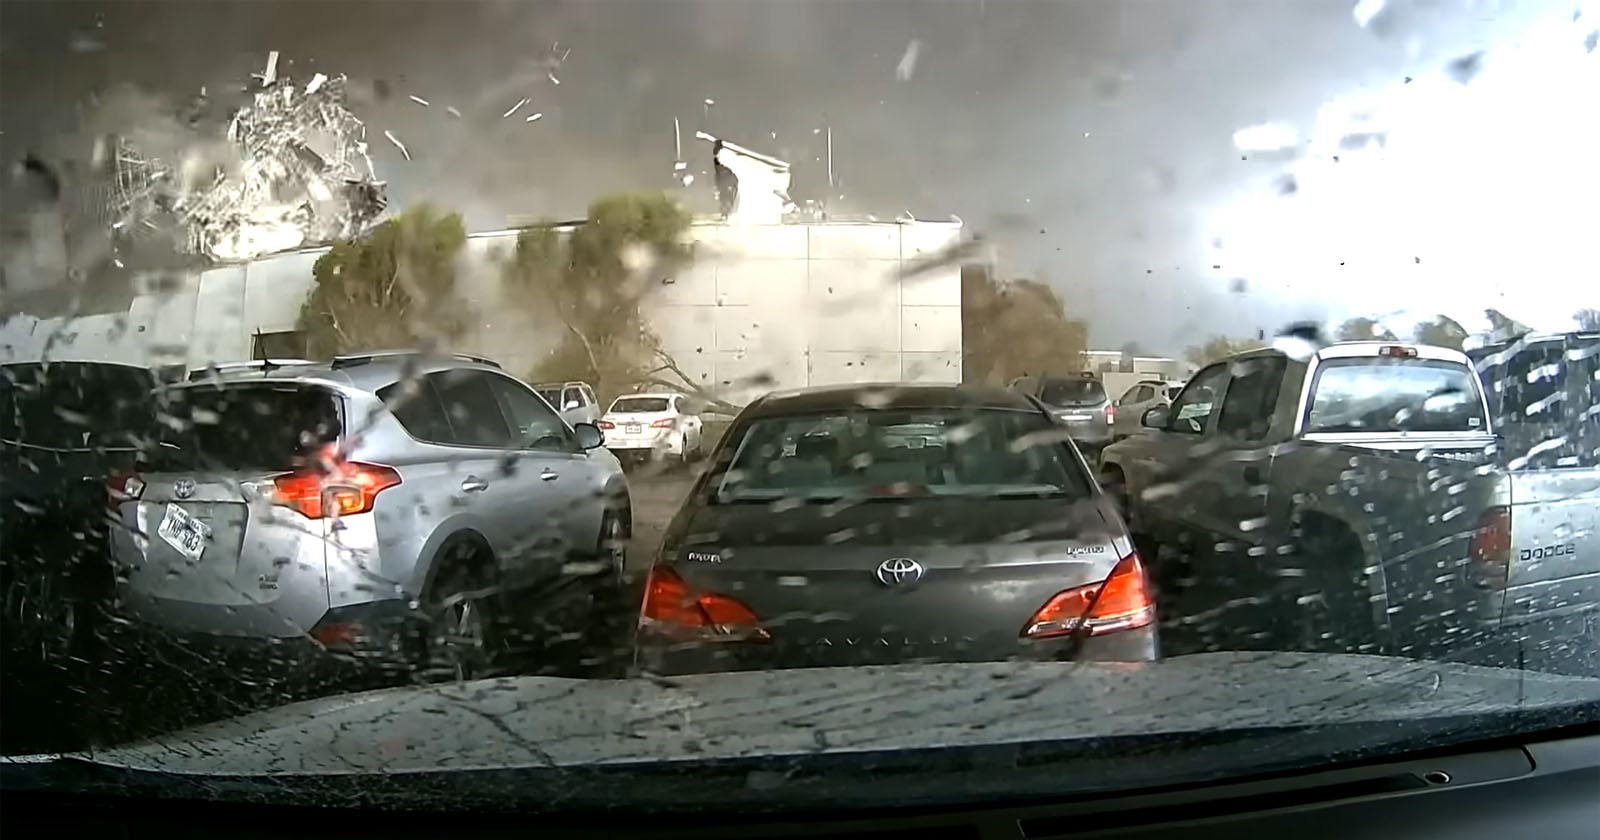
552	77
397	144
1267	137
908	62
270	76
534	117
290	167
751	187
1366	10
451	110
419	100
513	109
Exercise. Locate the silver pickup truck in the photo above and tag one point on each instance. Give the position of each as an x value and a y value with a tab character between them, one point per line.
1333	502
1541	581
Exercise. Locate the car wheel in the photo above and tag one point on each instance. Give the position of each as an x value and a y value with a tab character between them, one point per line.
1332	599
464	618
612	547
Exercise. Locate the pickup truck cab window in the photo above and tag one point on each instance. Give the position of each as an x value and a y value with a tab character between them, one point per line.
1192	411
1252	396
1377	394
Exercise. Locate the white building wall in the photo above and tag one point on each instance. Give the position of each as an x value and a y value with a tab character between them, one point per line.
762	307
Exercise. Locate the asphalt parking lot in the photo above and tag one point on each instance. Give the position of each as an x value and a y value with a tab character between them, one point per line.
656	496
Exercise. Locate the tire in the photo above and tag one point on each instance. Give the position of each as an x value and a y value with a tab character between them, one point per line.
1330	602
464	633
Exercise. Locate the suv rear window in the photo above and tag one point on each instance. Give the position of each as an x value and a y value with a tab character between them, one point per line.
247	426
1072	392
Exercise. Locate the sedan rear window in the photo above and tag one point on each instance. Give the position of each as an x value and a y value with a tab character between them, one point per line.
932	452
640	405
252	426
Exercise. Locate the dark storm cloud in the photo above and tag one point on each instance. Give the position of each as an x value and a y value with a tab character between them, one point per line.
1100	130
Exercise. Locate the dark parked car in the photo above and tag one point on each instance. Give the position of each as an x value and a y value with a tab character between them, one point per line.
66	430
1079	401
888	524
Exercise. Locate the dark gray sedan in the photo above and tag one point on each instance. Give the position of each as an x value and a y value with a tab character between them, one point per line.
880	524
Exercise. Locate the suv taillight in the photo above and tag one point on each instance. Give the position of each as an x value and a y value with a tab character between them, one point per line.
352	487
1111	414
1490	550
123	487
671	606
1120	602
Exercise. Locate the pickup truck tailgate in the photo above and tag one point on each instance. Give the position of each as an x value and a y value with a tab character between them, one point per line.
1555	544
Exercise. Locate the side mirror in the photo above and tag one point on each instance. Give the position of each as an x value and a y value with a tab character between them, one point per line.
588	436
1155	418
570	404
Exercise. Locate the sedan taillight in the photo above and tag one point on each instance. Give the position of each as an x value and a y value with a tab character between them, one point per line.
663	423
671	606
1120	602
606	424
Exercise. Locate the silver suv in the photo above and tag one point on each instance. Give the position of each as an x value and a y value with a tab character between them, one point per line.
392	505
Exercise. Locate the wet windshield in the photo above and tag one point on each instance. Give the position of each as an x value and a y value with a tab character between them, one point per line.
791	406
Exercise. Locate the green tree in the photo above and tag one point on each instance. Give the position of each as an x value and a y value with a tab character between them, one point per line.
593	281
1218	348
1016	328
393	288
1441	332
1363	329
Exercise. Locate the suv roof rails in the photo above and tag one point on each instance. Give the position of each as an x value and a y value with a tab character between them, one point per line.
262	365
349	360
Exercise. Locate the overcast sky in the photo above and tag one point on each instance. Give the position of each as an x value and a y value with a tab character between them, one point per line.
1092	140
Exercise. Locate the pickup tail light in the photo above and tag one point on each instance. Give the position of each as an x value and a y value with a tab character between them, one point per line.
1120	602
1490	550
350	487
672	607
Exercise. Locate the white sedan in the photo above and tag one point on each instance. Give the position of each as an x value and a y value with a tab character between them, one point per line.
660	425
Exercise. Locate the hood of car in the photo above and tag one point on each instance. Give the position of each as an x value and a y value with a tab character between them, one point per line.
543	722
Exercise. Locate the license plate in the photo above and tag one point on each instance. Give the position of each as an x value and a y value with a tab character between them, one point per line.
183	532
632	428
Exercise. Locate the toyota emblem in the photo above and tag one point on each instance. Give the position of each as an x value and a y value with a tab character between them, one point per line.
897	571
183	488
